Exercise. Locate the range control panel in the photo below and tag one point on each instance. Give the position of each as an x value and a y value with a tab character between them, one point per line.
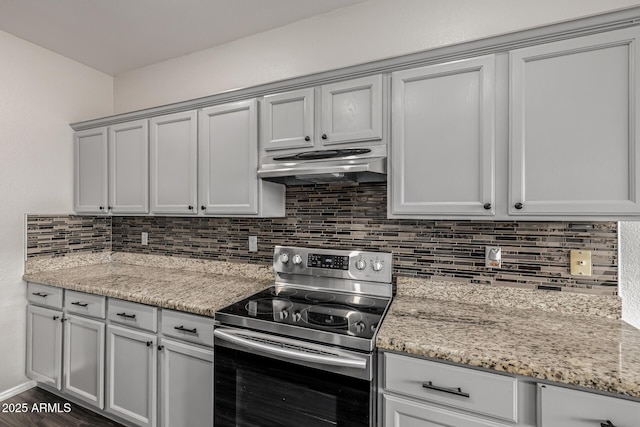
355	265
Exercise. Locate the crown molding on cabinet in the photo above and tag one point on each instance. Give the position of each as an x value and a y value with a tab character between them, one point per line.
548	33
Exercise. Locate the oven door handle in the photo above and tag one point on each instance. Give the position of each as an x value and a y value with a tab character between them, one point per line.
290	353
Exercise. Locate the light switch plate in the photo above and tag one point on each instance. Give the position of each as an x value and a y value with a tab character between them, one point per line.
580	262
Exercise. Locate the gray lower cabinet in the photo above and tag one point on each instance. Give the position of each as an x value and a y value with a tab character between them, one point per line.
84	359
132	375
44	345
186	386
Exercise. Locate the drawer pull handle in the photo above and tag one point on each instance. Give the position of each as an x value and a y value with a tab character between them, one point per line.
183	329
454	390
80	304
126	316
40	294
607	424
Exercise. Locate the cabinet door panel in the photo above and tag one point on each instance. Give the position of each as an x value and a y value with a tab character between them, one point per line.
187	385
84	359
44	345
287	120
229	158
90	174
352	111
131	375
573	130
173	163
129	167
443	138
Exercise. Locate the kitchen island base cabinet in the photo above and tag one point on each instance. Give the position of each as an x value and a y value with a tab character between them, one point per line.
186	390
406	413
44	346
132	375
84	359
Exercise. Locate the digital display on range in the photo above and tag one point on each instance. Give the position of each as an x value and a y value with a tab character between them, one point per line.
333	262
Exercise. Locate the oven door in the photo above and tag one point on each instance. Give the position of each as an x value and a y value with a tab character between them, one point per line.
269	381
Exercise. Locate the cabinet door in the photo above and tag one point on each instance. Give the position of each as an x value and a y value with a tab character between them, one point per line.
287	120
84	359
442	154
131	375
228	159
129	167
571	408
44	345
574	126
186	391
90	172
173	163
405	413
352	111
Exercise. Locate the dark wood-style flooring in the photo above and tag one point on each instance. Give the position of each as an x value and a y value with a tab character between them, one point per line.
76	417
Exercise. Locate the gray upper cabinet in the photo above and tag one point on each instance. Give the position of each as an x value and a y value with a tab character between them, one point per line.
129	167
287	120
228	163
90	175
442	155
574	126
173	147
343	112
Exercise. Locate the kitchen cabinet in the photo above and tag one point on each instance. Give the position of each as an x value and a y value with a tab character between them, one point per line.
228	164
574	126
44	345
349	111
572	408
129	167
173	146
91	171
442	156
132	375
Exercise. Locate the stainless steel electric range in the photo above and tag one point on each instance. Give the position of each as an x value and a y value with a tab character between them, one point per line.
301	353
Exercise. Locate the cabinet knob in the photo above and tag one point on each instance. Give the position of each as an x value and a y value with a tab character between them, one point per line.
487	206
203	208
324	136
518	205
306	138
108	208
607	424
101	208
149	343
190	207
56	317
63	320
160	347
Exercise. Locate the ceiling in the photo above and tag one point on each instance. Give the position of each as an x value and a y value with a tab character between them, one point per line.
114	36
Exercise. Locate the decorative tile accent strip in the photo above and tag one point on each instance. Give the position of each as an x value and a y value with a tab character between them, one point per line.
535	254
51	236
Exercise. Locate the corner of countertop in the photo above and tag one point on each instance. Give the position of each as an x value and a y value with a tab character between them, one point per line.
38	265
571	303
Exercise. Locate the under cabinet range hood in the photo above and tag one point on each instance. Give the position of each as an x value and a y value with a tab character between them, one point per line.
362	164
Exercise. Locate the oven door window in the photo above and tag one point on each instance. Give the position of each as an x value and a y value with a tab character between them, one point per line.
256	391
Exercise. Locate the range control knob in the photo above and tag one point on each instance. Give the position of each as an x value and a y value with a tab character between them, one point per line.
377	265
361	264
283	314
296	316
297	259
373	327
284	258
360	327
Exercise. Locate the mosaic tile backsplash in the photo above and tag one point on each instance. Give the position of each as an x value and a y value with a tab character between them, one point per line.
535	254
59	235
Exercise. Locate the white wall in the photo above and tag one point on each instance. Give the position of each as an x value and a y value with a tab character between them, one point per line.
367	31
40	94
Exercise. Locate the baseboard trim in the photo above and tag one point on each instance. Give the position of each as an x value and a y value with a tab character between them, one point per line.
17	390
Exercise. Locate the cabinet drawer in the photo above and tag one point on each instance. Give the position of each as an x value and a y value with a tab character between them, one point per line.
44	295
133	314
571	408
404	413
468	389
87	304
188	327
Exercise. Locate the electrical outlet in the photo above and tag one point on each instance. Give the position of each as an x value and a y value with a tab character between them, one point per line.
144	238
493	256
580	263
253	243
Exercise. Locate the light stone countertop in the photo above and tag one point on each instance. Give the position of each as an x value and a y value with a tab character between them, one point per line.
554	344
191	289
